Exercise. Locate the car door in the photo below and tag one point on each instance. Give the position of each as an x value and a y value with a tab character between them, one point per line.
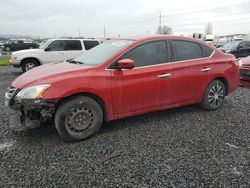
54	51
144	87
73	49
190	71
21	45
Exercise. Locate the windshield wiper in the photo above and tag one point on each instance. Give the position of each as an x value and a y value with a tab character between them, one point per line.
74	61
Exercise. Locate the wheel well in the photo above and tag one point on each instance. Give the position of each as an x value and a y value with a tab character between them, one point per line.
224	81
90	95
31	58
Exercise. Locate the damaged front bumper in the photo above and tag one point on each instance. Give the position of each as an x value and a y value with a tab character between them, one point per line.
28	113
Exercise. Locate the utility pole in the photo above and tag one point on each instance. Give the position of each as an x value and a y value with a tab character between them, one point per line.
160	23
104	31
79	33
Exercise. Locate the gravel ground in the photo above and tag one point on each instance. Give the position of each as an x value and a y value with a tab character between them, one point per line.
183	147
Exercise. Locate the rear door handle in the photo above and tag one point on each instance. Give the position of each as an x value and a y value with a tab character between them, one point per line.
164	75
206	69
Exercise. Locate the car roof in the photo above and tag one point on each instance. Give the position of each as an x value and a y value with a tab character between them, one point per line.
86	39
156	37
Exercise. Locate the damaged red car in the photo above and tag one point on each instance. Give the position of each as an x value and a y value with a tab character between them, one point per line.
121	78
245	72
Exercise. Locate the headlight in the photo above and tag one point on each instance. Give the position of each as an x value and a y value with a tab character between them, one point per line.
227	51
34	92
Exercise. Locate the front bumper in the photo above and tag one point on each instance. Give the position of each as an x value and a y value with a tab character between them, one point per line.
244	83
28	113
15	63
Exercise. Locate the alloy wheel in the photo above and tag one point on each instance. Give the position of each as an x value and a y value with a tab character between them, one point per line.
216	95
29	65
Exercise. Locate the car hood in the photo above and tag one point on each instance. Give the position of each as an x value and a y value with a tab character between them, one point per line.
224	49
49	73
28	51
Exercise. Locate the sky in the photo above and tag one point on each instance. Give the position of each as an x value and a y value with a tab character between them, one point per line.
87	18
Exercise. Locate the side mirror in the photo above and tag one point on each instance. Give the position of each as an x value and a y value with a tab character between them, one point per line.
126	64
47	49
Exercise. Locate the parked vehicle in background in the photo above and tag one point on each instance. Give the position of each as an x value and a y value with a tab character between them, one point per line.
121	78
239	49
19	44
53	50
221	42
1	45
245	72
210	39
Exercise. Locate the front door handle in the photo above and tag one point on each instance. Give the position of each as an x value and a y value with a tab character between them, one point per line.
206	69
164	75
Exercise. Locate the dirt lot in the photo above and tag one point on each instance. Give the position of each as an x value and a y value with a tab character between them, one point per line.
184	147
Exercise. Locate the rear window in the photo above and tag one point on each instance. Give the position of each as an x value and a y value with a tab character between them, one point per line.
206	50
186	50
90	44
73	45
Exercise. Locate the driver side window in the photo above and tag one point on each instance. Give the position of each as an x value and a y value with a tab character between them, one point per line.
151	53
57	45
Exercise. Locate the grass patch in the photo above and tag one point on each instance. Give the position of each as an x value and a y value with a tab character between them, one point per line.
4	62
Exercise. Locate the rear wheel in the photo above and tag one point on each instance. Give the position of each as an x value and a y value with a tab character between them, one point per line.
78	118
29	64
214	95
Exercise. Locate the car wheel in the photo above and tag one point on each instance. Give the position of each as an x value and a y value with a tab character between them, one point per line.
7	49
78	118
214	95
29	64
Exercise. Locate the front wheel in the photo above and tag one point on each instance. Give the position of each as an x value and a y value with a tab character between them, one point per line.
78	118
8	49
214	95
29	64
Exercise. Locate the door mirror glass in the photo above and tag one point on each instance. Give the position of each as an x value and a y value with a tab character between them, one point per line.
126	64
47	49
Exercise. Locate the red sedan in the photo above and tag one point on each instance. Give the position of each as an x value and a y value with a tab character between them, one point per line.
122	78
245	72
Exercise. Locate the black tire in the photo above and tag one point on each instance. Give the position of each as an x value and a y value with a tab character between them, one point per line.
78	118
29	64
214	95
8	48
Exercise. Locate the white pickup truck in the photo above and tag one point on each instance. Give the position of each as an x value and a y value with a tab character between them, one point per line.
53	50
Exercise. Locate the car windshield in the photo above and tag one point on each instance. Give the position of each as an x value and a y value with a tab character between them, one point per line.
102	52
231	45
44	44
